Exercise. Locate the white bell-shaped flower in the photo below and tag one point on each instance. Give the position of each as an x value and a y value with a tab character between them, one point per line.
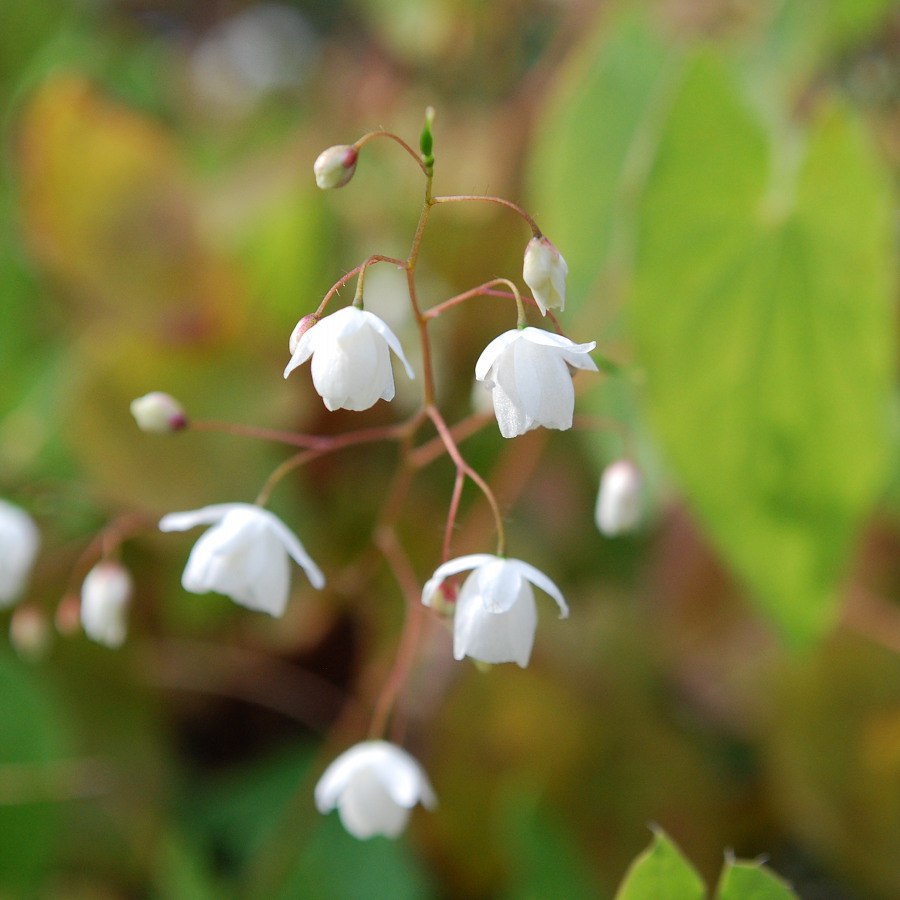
105	596
19	543
496	615
527	372
351	360
618	508
244	555
545	271
374	785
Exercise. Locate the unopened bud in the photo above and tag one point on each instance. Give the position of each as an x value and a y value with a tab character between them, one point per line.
544	271
105	596
335	166
29	633
68	615
159	413
619	500
301	328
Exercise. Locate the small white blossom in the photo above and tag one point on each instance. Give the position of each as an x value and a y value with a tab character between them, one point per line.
496	615
374	785
244	555
545	271
158	412
619	498
335	166
19	543
527	372
351	360
105	596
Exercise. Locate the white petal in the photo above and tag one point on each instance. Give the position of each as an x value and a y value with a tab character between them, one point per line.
498	583
492	352
392	340
19	544
366	808
452	567
539	579
297	551
206	515
494	637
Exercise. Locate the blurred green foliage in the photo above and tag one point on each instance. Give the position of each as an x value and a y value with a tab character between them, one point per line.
721	178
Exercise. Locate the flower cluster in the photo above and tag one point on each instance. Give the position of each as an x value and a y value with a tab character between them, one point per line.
246	550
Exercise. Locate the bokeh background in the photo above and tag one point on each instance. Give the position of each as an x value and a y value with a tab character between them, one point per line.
721	176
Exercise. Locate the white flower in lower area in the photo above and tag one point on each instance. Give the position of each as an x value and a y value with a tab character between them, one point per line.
374	786
527	372
351	360
105	596
244	555
19	543
496	615
544	271
618	508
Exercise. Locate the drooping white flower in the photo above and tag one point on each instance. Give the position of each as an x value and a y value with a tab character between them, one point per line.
335	166
545	271
374	785
527	373
496	615
19	543
618	508
351	360
244	555
105	596
158	412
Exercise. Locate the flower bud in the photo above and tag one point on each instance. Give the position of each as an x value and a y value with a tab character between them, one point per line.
19	543
545	271
105	596
29	633
158	413
619	500
300	329
335	166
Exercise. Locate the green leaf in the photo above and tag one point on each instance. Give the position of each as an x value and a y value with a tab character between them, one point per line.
661	873
590	145
742	880
761	315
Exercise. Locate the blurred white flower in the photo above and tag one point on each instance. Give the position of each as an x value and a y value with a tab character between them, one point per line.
351	360
335	166
19	543
105	596
374	785
527	373
619	498
545	271
496	615
244	555
158	412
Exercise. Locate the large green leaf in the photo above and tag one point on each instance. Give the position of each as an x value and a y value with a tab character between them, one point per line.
661	873
743	880
762	319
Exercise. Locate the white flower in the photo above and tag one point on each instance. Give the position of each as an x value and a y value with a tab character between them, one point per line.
244	555
351	366
374	786
335	166
619	498
527	373
544	271
496	615
158	412
19	543
105	596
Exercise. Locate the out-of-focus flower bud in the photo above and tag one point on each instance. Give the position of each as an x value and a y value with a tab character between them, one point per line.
619	500
68	615
158	413
335	166
105	596
545	271
29	633
19	543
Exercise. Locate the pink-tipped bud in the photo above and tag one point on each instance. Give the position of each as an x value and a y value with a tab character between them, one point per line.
68	615
335	166
158	413
301	328
544	271
619	500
